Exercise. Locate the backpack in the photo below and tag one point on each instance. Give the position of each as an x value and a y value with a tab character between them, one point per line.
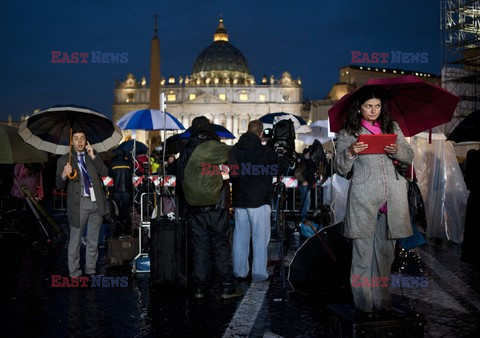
201	189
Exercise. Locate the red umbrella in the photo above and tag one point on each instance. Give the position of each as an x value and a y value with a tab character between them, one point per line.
413	103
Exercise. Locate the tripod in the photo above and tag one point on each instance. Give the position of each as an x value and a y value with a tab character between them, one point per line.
278	218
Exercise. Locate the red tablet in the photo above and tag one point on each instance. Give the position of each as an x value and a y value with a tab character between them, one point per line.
376	143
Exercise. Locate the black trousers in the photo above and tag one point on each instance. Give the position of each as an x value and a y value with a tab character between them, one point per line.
124	204
211	229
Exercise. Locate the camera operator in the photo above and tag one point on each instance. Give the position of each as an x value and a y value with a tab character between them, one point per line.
252	195
319	158
305	173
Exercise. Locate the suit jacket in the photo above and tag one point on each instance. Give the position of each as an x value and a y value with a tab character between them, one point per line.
96	169
374	181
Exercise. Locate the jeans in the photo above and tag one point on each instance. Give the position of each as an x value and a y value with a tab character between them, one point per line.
254	223
305	198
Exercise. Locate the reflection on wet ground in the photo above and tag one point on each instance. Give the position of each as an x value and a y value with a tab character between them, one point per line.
31	307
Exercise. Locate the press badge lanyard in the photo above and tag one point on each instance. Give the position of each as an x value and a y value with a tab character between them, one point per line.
84	170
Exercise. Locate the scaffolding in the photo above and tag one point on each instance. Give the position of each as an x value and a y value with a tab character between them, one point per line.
460	27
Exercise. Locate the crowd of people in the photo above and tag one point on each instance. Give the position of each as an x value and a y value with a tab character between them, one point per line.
377	212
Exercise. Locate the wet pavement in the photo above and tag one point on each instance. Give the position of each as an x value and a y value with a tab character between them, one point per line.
32	307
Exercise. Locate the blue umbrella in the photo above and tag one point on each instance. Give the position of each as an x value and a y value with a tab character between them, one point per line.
149	119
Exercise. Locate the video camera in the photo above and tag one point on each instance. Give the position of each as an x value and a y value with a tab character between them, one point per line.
282	139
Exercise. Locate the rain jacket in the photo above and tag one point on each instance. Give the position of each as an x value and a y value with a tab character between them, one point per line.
201	189
249	190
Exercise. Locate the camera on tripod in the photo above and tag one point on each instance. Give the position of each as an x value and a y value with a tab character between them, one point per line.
282	139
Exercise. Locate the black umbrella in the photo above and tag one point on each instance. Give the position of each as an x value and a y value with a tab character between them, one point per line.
175	143
322	264
127	147
50	129
468	130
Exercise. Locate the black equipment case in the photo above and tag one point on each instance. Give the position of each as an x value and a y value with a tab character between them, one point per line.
168	251
342	323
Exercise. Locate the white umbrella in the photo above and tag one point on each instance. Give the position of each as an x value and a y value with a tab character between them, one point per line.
299	127
299	124
319	132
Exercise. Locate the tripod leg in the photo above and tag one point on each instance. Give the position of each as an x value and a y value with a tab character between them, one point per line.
32	207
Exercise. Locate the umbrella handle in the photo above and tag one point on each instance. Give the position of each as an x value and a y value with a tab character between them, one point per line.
73	174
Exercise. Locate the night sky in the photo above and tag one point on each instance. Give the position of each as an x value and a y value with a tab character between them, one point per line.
311	39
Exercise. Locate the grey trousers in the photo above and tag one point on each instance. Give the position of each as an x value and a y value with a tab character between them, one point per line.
88	216
372	258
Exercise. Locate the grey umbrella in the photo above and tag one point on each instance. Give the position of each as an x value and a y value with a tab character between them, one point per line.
14	150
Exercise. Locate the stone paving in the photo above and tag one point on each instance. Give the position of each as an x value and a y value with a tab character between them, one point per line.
450	303
31	307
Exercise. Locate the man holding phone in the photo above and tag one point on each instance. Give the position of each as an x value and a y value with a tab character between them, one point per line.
86	201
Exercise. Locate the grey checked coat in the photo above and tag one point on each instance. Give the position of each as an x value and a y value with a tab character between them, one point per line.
374	182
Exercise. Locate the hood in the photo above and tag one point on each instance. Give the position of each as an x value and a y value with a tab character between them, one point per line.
248	140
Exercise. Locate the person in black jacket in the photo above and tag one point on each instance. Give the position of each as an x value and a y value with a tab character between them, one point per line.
208	223
470	247
171	166
306	181
252	199
121	172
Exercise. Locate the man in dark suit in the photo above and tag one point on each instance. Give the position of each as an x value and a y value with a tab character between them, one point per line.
86	201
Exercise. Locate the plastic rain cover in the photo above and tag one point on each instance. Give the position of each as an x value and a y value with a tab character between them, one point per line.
442	186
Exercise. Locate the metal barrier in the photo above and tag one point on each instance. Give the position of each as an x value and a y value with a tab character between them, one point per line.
143	224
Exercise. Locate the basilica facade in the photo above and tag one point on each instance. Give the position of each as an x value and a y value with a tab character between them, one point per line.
220	87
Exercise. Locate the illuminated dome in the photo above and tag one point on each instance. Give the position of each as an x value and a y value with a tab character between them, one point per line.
221	63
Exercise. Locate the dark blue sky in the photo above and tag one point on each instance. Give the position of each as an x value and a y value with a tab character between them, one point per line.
311	39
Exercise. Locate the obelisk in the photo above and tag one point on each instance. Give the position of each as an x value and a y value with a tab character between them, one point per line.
155	70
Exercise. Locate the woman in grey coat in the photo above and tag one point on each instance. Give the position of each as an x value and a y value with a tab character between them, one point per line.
377	208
